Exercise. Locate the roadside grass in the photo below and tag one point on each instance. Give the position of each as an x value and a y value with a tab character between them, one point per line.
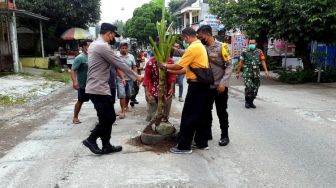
32	91
45	85
9	101
57	75
25	74
2	74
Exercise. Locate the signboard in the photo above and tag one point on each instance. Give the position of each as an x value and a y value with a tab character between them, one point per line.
211	20
238	44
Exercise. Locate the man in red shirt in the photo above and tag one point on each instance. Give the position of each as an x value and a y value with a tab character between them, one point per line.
151	84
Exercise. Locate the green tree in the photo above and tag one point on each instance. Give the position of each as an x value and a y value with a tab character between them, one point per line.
174	5
297	21
142	24
62	14
120	25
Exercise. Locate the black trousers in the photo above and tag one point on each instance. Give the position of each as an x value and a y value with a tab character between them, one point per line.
192	120
220	100
135	91
106	117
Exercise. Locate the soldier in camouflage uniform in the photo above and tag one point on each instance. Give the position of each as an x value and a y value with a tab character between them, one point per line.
250	61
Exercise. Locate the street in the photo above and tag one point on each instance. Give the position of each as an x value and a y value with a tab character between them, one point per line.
287	141
54	55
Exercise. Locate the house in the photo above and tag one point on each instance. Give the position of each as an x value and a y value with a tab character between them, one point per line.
9	54
193	13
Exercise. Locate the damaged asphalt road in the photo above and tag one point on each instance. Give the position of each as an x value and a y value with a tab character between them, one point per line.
275	145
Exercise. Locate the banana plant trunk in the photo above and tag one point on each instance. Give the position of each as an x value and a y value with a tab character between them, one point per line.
161	52
162	101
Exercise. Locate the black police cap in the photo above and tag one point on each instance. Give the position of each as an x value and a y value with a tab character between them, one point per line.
105	27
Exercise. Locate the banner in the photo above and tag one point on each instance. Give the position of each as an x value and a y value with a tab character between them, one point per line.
238	44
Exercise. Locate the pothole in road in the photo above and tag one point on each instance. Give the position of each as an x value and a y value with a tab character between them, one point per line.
162	147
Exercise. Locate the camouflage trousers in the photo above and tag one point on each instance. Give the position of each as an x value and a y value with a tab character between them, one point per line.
251	87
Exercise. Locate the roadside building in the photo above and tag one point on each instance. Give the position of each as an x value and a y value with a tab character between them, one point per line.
194	13
9	45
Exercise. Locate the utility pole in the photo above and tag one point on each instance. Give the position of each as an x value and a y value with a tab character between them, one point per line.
17	66
286	48
42	43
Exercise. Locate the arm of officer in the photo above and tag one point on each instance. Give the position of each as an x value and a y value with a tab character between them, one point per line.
225	81
239	66
263	62
107	53
226	77
181	71
185	61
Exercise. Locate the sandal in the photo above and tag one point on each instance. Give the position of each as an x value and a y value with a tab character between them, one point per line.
128	110
122	116
76	121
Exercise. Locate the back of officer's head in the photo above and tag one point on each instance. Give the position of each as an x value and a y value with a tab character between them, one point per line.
205	29
190	32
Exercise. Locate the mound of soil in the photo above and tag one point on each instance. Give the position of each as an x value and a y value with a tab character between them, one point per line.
162	147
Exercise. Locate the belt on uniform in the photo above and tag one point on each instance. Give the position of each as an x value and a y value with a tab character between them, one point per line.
192	81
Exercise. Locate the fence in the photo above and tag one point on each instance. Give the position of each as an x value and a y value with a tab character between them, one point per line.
323	54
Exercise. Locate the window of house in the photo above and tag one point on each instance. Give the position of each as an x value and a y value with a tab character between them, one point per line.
195	19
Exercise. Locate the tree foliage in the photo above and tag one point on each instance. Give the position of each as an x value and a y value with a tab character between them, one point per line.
63	14
297	21
174	5
120	24
142	24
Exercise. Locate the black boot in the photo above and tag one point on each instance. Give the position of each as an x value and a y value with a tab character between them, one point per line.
251	103
247	102
224	138
108	148
92	145
135	101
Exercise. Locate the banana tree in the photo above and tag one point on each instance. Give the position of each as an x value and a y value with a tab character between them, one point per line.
162	51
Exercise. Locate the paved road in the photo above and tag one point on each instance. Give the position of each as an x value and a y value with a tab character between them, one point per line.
274	145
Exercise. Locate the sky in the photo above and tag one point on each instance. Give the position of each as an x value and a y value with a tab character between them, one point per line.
112	10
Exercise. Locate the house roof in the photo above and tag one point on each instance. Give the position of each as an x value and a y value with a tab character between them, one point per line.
187	3
24	13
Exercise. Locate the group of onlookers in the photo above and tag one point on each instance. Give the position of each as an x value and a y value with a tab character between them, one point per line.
100	74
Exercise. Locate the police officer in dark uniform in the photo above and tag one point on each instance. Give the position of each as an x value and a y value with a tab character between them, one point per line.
221	67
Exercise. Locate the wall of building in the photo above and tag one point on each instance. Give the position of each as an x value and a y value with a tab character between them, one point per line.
205	10
34	62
